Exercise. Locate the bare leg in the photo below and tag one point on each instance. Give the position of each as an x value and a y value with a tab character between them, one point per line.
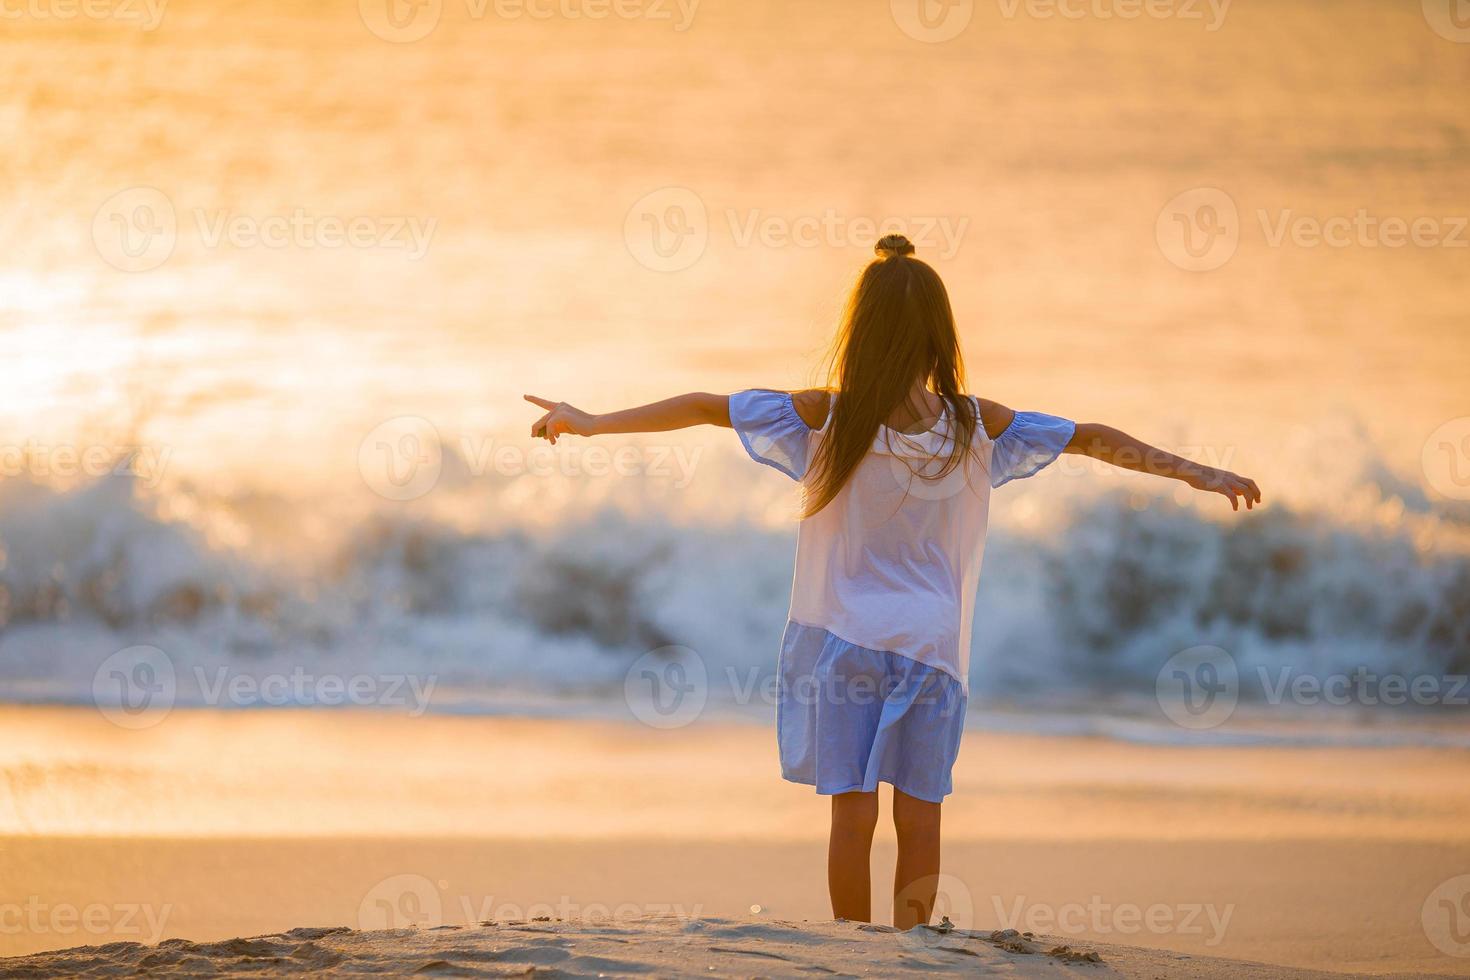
854	818
916	878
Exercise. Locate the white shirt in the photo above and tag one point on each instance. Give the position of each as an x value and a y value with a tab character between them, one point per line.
893	562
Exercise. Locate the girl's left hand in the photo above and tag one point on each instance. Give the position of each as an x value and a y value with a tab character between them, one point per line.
560	419
1231	485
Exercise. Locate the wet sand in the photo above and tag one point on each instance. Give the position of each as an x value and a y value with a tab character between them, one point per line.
215	825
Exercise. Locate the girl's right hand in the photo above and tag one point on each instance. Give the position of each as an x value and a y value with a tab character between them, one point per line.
560	419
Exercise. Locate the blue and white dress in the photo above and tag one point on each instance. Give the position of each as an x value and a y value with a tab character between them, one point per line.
874	662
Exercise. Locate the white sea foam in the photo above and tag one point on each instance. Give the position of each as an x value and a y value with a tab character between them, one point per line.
1083	599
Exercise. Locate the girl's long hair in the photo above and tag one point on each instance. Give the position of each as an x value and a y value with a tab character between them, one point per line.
898	329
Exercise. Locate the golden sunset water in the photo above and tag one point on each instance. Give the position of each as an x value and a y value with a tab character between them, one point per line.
509	168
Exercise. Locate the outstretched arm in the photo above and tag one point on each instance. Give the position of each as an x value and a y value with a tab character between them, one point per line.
1120	449
679	412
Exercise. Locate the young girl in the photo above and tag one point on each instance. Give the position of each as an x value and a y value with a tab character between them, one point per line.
896	464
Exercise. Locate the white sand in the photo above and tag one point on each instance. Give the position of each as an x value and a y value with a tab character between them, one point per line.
667	946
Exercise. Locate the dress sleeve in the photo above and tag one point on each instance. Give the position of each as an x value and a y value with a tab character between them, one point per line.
771	430
1028	444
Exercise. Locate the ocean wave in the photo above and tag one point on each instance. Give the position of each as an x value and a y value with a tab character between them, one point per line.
1084	603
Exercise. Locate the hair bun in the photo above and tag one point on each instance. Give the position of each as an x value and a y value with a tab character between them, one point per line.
892	246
